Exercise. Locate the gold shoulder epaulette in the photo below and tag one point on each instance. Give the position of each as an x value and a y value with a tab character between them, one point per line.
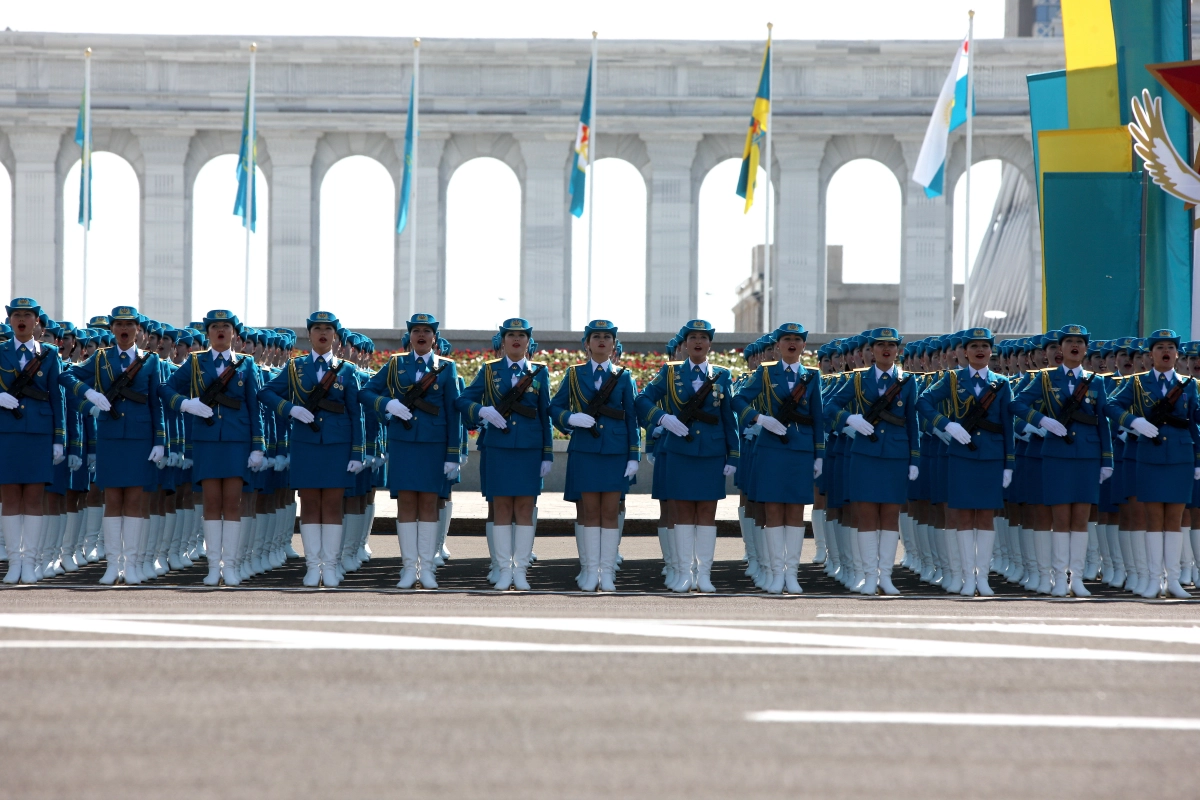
495	360
674	363
768	363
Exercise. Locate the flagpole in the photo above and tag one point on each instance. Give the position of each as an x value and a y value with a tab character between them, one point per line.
85	165
767	205
251	146
591	184
412	184
966	300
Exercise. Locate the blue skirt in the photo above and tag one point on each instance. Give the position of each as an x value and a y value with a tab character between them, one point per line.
360	484
1128	479
1031	484
416	467
974	484
220	460
25	458
659	475
593	472
81	479
1070	480
1165	483
779	476
745	476
1195	503
693	478
122	463
62	477
320	466
878	480
512	472
844	474
834	464
938	489
1106	504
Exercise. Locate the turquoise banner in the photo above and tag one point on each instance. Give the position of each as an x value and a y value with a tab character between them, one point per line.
1047	109
1092	249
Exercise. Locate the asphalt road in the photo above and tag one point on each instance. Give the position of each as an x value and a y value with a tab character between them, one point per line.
280	692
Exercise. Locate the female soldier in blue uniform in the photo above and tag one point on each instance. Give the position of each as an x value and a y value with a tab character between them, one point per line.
981	459
1074	461
227	439
788	449
514	463
327	444
1168	458
130	441
701	451
423	443
880	469
604	451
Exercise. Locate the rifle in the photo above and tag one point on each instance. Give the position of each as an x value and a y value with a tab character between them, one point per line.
691	409
511	402
318	399
415	396
598	408
977	416
119	388
1161	414
214	393
1070	412
787	413
879	409
23	385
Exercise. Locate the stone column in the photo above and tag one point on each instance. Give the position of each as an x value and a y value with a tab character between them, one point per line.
292	283
431	233
671	235
926	240
545	232
798	266
166	285
37	269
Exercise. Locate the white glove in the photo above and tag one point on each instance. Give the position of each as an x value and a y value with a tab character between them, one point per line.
74	463
301	414
672	424
160	464
650	458
848	431
913	472
95	411
193	406
818	467
771	425
376	463
58	455
859	424
1105	473
354	467
1051	425
755	430
631	468
1143	427
98	399
1123	435
8	401
580	420
256	457
186	463
280	463
91	462
1007	479
958	433
398	409
729	470
156	453
945	437
493	417
546	467
450	469
657	432
1196	474
1034	430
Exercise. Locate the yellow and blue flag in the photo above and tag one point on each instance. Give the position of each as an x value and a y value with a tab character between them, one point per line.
583	140
948	114
247	158
83	138
406	181
757	135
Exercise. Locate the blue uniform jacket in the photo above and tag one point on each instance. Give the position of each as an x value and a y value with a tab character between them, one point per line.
763	393
394	380
243	425
491	383
136	420
292	386
672	388
1045	395
953	397
857	394
37	416
617	436
1177	445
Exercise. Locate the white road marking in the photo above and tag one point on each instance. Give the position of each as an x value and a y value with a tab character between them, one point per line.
977	720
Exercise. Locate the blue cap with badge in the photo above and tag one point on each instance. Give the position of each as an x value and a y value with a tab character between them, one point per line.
222	315
428	320
790	329
1162	335
322	318
24	304
516	325
1073	330
698	326
599	326
978	335
884	335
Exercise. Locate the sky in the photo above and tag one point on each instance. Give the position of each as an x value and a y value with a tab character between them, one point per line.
483	199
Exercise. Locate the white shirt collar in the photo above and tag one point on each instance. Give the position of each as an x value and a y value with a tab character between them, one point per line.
982	373
1170	375
510	363
427	358
132	352
1077	372
596	366
328	356
793	367
691	368
227	355
37	347
879	373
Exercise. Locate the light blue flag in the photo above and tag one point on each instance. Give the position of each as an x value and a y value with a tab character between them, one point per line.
583	141
247	158
84	140
406	183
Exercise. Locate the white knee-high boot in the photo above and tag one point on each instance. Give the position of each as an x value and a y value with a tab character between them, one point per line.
888	541
1154	564
406	532
968	553
983	546
818	526
231	542
1078	550
213	528
13	536
685	553
1060	560
1137	541
706	548
111	530
523	553
331	551
793	549
1172	556
427	547
310	540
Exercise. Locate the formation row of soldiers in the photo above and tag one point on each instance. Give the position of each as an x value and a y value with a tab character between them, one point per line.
152	446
